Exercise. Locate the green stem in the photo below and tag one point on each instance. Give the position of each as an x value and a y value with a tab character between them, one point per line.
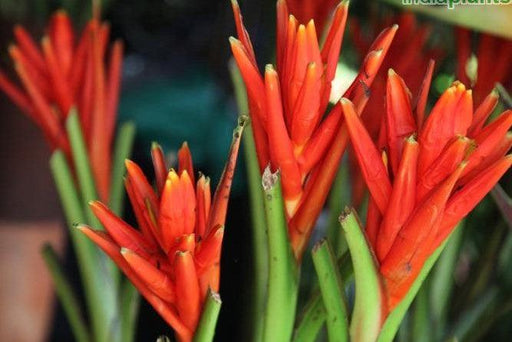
311	320
82	165
283	273
339	197
206	329
122	151
258	228
88	257
313	315
367	314
442	281
333	295
130	303
66	296
106	326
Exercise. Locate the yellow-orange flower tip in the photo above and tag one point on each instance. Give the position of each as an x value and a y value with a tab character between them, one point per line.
155	145
391	72
124	251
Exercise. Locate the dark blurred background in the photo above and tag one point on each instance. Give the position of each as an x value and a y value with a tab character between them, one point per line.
176	87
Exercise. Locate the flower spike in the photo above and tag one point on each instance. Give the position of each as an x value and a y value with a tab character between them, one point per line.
294	131
432	183
175	257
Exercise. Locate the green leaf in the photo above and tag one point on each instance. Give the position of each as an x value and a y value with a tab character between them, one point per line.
332	290
367	315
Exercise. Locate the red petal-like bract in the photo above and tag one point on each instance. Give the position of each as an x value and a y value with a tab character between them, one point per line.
65	72
433	182
294	131
175	256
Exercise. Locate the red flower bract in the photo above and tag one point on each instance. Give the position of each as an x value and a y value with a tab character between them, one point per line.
409	56
64	73
428	176
175	256
288	106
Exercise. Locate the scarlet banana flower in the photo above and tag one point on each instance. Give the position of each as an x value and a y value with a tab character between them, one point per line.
68	70
292	128
428	175
174	258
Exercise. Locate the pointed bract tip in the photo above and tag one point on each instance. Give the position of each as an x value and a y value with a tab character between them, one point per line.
234	41
234	3
269	68
391	72
155	145
81	226
181	254
125	251
411	139
344	3
243	120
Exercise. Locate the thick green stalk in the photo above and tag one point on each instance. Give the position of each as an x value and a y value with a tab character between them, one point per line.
206	329
82	166
122	150
94	281
311	320
441	281
339	197
283	274
258	228
314	315
394	319
333	295
106	327
66	296
367	314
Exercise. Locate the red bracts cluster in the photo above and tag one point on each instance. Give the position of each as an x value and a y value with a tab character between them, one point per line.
174	258
429	174
409	56
67	71
293	130
493	55
319	11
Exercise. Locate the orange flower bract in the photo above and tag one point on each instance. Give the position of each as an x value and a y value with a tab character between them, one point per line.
69	71
293	129
428	175
174	257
